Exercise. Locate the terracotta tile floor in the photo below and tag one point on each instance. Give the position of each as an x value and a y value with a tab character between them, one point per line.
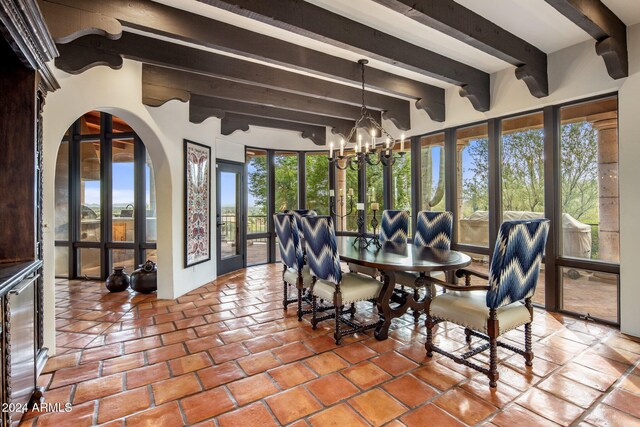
227	354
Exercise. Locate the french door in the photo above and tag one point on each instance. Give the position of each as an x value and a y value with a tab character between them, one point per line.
230	216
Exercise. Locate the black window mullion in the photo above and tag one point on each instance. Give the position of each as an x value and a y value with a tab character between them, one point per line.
450	178
362	197
302	181
495	180
332	187
271	204
140	199
416	181
552	207
74	198
387	187
106	209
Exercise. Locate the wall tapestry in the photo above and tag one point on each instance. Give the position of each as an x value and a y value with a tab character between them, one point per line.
197	202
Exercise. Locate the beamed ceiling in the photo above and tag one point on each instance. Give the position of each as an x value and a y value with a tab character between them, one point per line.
291	64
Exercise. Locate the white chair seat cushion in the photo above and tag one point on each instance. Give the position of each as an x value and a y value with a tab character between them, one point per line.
369	271
354	287
291	276
469	309
408	278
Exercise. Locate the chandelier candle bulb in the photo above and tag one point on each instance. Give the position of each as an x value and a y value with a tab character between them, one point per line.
350	193
331	193
340	191
402	143
375	206
331	150
342	148
366	147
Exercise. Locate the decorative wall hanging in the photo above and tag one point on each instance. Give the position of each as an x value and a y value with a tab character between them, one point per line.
197	202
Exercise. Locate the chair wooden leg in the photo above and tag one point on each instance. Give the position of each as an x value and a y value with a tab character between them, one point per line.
299	303
314	312
337	304
416	313
528	352
493	362
467	335
493	331
428	345
353	309
285	300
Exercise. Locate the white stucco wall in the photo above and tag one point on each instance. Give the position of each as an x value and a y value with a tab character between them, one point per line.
576	72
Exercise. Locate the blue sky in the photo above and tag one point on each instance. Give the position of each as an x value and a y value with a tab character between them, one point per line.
122	186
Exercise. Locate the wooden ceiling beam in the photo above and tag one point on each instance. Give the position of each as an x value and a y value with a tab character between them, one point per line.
457	21
163	20
160	85
203	107
89	51
232	122
610	33
320	24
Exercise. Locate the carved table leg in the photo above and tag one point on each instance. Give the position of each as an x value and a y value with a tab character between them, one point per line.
383	304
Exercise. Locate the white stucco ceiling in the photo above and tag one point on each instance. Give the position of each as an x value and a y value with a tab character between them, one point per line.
532	20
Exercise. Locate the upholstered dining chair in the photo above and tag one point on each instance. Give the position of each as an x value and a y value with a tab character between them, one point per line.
298	214
295	272
328	282
433	230
503	304
394	227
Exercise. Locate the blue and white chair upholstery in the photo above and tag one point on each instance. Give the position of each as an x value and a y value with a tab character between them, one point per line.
295	272
394	227
298	214
433	230
504	304
329	283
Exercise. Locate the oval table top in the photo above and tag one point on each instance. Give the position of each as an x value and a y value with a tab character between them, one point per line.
401	256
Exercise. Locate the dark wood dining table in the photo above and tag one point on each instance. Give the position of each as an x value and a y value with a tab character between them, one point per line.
392	257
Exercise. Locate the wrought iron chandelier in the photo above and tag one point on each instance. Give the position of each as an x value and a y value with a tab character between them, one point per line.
372	151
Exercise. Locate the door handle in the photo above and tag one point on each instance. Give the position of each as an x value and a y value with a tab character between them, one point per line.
221	223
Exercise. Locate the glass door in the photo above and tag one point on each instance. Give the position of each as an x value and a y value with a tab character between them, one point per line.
229	217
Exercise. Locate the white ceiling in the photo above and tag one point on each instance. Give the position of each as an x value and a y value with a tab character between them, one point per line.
627	10
532	20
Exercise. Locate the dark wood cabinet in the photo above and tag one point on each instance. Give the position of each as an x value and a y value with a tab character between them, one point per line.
25	47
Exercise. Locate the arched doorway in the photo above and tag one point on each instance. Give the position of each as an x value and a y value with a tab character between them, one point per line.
105	199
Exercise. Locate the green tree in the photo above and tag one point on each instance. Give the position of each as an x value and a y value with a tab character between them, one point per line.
317	182
523	171
286	171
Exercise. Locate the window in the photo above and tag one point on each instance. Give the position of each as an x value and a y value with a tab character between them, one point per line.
257	218
523	167
317	182
286	171
472	189
122	191
401	182
432	172
105	215
589	163
590	208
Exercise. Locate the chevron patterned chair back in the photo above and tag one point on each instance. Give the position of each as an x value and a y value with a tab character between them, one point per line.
322	252
298	214
394	226
434	229
515	265
289	241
